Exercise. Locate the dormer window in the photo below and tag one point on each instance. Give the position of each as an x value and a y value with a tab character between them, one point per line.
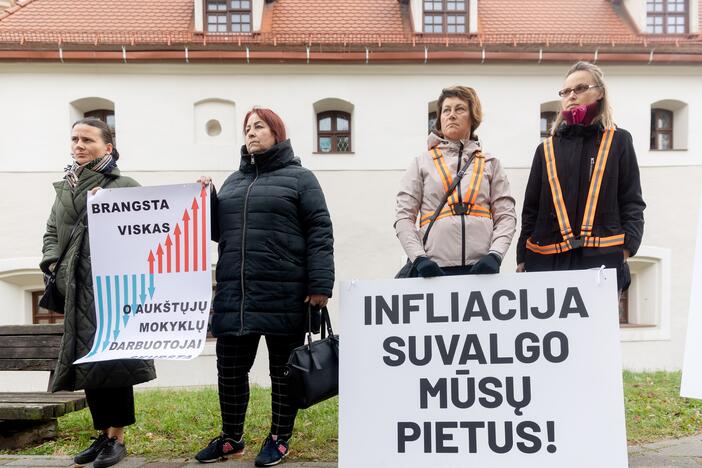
445	16
667	16
233	16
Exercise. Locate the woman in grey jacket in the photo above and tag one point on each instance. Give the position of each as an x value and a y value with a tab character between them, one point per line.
472	232
108	385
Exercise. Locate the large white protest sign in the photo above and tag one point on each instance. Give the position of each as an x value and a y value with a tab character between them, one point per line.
151	272
691	384
513	370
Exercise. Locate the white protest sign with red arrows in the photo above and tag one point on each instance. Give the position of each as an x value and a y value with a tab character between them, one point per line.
152	279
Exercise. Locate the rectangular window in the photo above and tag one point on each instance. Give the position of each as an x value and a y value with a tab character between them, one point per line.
233	16
334	132
661	129
445	16
40	315
667	16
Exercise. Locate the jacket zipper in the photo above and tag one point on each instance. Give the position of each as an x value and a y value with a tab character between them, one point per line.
243	247
463	216
592	165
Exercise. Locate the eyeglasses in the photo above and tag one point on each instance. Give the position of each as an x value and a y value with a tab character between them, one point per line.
579	89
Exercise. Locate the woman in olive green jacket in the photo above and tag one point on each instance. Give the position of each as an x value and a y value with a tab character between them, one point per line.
108	385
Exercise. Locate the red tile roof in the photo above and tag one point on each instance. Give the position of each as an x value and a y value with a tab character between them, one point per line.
555	17
382	17
99	15
372	26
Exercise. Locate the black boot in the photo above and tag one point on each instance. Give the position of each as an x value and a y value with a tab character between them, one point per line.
111	454
90	454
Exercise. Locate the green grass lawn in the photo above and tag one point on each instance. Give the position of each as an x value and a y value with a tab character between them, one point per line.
175	424
654	409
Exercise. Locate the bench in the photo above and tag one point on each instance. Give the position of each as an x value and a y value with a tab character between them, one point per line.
27	417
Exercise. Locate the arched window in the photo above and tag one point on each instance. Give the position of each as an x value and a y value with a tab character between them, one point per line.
445	16
334	132
431	120
107	116
661	129
547	120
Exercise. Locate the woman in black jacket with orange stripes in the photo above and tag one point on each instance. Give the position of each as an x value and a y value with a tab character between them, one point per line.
583	206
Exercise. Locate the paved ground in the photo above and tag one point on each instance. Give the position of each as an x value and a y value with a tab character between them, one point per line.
666	454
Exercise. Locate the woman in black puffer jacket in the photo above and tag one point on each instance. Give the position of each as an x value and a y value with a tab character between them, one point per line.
275	258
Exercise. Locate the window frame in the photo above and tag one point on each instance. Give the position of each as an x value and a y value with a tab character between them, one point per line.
550	117
102	114
445	13
50	315
657	131
665	14
228	11
334	133
432	116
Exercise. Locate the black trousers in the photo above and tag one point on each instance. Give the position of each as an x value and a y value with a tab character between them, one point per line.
235	356
111	407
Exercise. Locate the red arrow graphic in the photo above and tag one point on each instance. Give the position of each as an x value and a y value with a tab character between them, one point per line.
151	262
159	252
203	197
194	207
186	219
176	233
168	253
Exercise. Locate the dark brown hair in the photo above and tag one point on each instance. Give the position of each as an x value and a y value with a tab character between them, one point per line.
105	132
464	93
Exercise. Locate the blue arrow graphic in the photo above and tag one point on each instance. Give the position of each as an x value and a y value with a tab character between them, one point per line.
117	307
125	279
142	296
151	286
98	335
134	299
108	289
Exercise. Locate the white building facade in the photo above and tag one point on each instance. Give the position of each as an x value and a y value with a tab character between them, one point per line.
180	119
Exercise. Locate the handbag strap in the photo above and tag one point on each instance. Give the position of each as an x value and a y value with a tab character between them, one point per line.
448	193
70	238
326	326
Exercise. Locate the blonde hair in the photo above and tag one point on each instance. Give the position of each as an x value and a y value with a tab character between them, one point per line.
464	93
605	116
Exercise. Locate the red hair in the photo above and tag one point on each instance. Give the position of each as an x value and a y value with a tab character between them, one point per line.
272	119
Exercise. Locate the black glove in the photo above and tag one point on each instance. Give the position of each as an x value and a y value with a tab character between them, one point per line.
487	265
427	268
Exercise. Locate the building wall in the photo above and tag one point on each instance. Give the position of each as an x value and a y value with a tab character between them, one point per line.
161	113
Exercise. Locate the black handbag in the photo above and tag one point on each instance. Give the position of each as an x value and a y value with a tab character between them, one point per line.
52	299
408	270
313	368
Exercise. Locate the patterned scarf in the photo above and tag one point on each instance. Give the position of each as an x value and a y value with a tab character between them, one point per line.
104	165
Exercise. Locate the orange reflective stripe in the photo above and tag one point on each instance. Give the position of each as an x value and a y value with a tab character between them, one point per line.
441	169
476	178
471	192
610	241
565	246
479	211
426	219
556	193
596	182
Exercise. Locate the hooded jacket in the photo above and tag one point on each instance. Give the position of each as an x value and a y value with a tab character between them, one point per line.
276	245
454	240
